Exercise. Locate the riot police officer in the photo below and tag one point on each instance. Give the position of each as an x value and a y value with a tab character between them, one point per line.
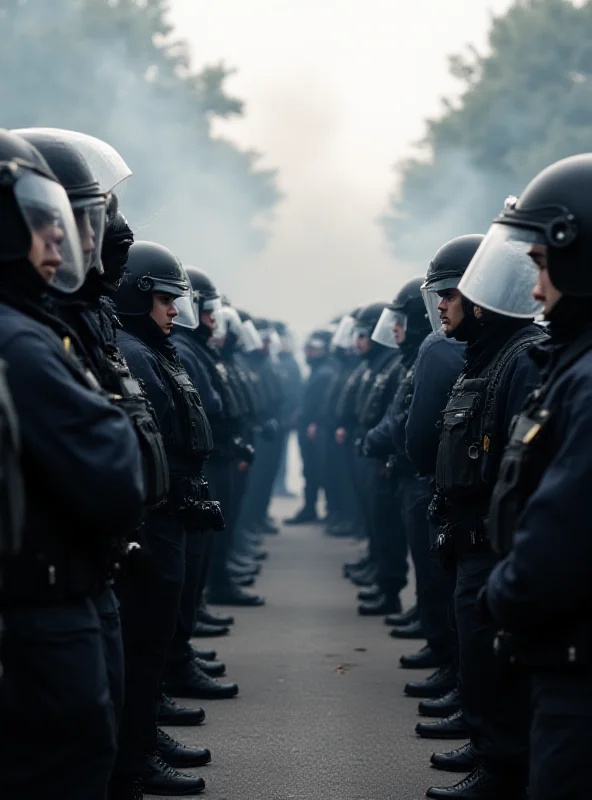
310	433
490	390
205	365
73	438
292	384
540	593
153	293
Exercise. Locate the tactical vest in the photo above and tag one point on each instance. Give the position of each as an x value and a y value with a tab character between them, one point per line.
470	440
380	394
193	435
246	387
346	402
527	454
114	376
12	494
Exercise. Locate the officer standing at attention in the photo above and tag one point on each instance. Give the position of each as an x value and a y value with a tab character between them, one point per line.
497	376
154	292
541	593
56	678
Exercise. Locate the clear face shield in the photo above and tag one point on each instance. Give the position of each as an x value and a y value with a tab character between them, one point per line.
227	321
250	337
502	274
431	297
344	335
384	332
186	318
90	216
271	339
55	247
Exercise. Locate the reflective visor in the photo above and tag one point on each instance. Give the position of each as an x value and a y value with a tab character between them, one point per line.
344	335
212	304
502	274
186	308
383	330
89	214
227	320
250	337
431	298
55	241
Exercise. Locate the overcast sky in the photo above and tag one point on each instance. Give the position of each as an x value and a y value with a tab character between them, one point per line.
336	92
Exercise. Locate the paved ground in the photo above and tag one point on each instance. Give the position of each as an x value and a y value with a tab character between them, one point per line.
320	714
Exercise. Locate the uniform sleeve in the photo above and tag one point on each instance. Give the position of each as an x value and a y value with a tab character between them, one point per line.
211	400
79	444
438	366
546	577
379	442
523	378
315	395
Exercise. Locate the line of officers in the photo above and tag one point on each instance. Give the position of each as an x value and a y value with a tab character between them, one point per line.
451	425
143	424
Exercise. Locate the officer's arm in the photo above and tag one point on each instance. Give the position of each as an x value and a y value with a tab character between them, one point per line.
379	440
211	400
523	379
80	446
437	367
547	574
145	367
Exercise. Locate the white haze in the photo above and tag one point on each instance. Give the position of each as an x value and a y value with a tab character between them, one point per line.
336	92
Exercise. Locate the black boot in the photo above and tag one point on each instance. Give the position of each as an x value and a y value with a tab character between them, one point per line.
435	685
205	655
463	759
411	631
302	517
402	619
178	755
201	630
453	727
232	595
442	706
189	681
160	778
204	614
480	784
371	593
381	606
425	658
170	713
215	669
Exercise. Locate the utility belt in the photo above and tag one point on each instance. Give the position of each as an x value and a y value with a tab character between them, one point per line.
190	494
461	537
567	646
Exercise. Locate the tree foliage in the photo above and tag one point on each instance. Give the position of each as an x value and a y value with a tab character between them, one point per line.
524	105
114	69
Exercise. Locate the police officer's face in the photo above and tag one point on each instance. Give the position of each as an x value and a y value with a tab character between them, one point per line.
208	318
544	291
45	255
164	311
362	344
86	234
450	309
400	328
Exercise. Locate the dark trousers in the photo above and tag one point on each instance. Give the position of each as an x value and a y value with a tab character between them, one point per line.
560	762
107	607
494	700
311	453
57	718
389	534
261	478
279	487
221	477
149	595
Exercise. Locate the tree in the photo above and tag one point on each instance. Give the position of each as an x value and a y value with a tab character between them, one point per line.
524	105
113	68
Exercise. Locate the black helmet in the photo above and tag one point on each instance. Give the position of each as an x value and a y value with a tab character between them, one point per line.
446	269
75	175
555	210
319	341
153	268
368	316
407	309
204	290
32	201
409	300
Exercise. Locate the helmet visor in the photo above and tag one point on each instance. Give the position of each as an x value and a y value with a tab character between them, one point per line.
250	337
108	166
227	321
186	317
90	221
344	335
502	274
431	298
212	304
383	332
48	214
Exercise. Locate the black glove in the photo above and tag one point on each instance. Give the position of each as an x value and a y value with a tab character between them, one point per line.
243	451
208	516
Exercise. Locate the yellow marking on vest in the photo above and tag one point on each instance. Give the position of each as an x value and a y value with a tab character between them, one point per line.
67	343
486	443
529	436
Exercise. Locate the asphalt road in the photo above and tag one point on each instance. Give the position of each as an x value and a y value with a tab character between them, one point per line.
321	713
